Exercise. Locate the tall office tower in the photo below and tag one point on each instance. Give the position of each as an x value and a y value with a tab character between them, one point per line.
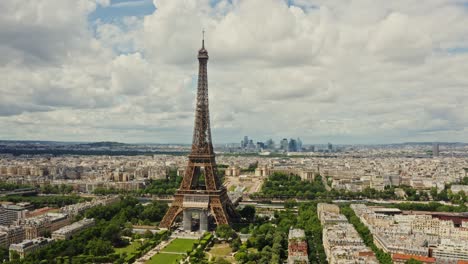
260	145
435	149
299	144
330	147
246	141
292	147
206	195
251	145
284	144
270	144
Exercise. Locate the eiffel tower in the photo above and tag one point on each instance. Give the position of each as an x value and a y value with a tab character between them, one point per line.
200	190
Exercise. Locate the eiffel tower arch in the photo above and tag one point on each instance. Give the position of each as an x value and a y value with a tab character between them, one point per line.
200	190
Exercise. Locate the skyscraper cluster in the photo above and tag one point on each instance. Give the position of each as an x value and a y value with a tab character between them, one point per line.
285	145
247	143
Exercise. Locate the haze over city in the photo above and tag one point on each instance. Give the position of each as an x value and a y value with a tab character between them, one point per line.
324	71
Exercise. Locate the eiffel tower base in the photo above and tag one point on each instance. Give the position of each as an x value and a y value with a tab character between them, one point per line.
206	203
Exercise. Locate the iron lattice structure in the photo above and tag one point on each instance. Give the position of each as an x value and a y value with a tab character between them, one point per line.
202	162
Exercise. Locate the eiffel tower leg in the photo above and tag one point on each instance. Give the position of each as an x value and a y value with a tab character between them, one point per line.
231	211
229	207
218	211
171	214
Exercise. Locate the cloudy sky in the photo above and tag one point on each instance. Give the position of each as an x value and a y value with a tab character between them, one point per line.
344	71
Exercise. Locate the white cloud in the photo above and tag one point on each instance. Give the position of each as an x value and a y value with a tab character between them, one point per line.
341	71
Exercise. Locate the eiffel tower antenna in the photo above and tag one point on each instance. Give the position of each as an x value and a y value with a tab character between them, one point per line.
203	38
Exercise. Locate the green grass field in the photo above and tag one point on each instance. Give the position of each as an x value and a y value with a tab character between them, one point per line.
221	250
164	258
179	245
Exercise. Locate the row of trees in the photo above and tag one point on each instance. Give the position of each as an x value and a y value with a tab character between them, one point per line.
448	196
308	220
56	189
42	201
131	211
431	206
280	185
197	254
4	186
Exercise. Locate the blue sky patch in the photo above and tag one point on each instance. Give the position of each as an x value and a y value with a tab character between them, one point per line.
122	8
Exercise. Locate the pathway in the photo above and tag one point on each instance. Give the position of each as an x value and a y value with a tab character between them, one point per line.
153	251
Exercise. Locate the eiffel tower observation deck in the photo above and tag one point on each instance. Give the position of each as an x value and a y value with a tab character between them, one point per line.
200	191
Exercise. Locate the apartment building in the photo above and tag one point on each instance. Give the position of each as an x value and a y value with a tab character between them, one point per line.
68	231
28	246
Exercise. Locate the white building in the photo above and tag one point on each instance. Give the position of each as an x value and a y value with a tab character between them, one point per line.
68	231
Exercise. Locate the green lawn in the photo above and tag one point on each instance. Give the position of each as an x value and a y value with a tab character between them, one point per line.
221	251
180	245
164	258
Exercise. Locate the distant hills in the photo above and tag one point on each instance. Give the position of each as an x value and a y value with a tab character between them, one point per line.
103	144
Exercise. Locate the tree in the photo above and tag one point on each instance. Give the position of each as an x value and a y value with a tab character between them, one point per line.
97	247
434	192
148	234
242	257
248	213
225	232
220	260
111	233
290	203
154	212
443	195
3	254
465	179
235	244
14	255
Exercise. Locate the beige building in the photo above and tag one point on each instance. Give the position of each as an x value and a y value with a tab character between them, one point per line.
232	171
308	175
29	246
450	251
40	225
68	231
329	208
262	171
14	234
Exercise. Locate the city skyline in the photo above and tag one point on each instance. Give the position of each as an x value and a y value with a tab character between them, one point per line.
346	73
